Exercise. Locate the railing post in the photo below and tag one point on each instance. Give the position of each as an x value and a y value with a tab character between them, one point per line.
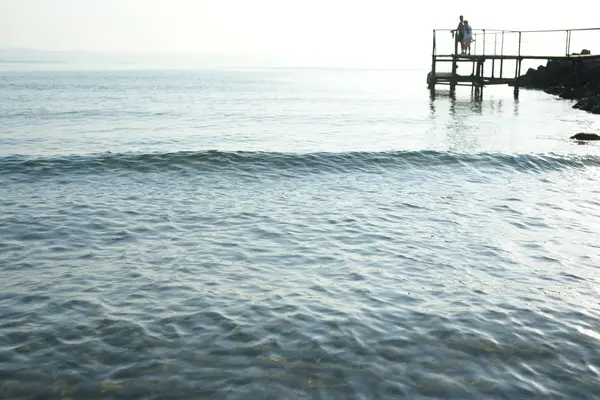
454	62
493	59
483	54
455	42
474	52
502	54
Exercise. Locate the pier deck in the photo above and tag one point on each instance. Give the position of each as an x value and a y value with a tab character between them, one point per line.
476	57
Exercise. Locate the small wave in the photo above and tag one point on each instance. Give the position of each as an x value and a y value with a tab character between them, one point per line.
89	113
322	162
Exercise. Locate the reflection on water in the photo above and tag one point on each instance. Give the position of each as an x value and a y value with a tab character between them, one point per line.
466	106
467	115
472	103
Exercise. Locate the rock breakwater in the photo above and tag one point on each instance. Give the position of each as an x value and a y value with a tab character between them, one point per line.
572	79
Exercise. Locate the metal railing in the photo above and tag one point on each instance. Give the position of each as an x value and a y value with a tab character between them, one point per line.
499	37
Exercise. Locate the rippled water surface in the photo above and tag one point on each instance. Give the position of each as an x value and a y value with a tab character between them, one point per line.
294	234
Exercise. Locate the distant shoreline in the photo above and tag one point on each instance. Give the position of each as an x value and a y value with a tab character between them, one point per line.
31	62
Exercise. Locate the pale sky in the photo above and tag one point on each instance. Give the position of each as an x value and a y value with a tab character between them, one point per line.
387	31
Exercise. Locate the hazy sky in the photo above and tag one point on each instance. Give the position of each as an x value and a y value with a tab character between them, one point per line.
387	30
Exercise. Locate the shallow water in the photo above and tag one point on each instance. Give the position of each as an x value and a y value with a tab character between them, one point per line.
293	234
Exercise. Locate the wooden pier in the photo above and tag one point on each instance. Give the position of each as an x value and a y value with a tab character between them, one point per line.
474	64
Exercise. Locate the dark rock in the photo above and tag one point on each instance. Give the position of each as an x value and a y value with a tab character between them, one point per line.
568	80
593	102
590	74
585	136
556	71
581	104
525	81
588	103
572	79
552	74
589	89
594	85
540	79
571	93
555	90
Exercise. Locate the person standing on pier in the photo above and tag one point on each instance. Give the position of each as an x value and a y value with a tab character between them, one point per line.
460	30
468	37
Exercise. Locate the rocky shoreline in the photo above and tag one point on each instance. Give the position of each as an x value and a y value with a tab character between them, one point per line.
572	80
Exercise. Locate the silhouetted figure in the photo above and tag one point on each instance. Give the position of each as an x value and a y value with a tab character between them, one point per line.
460	32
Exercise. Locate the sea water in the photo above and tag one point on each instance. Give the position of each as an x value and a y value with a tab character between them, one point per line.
293	234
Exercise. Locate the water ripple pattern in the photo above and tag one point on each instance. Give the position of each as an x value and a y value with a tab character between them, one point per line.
252	274
275	163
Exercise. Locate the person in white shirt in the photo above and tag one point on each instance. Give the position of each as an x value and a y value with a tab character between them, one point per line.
468	37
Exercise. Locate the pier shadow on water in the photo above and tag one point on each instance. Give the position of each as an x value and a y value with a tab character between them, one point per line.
464	119
468	103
